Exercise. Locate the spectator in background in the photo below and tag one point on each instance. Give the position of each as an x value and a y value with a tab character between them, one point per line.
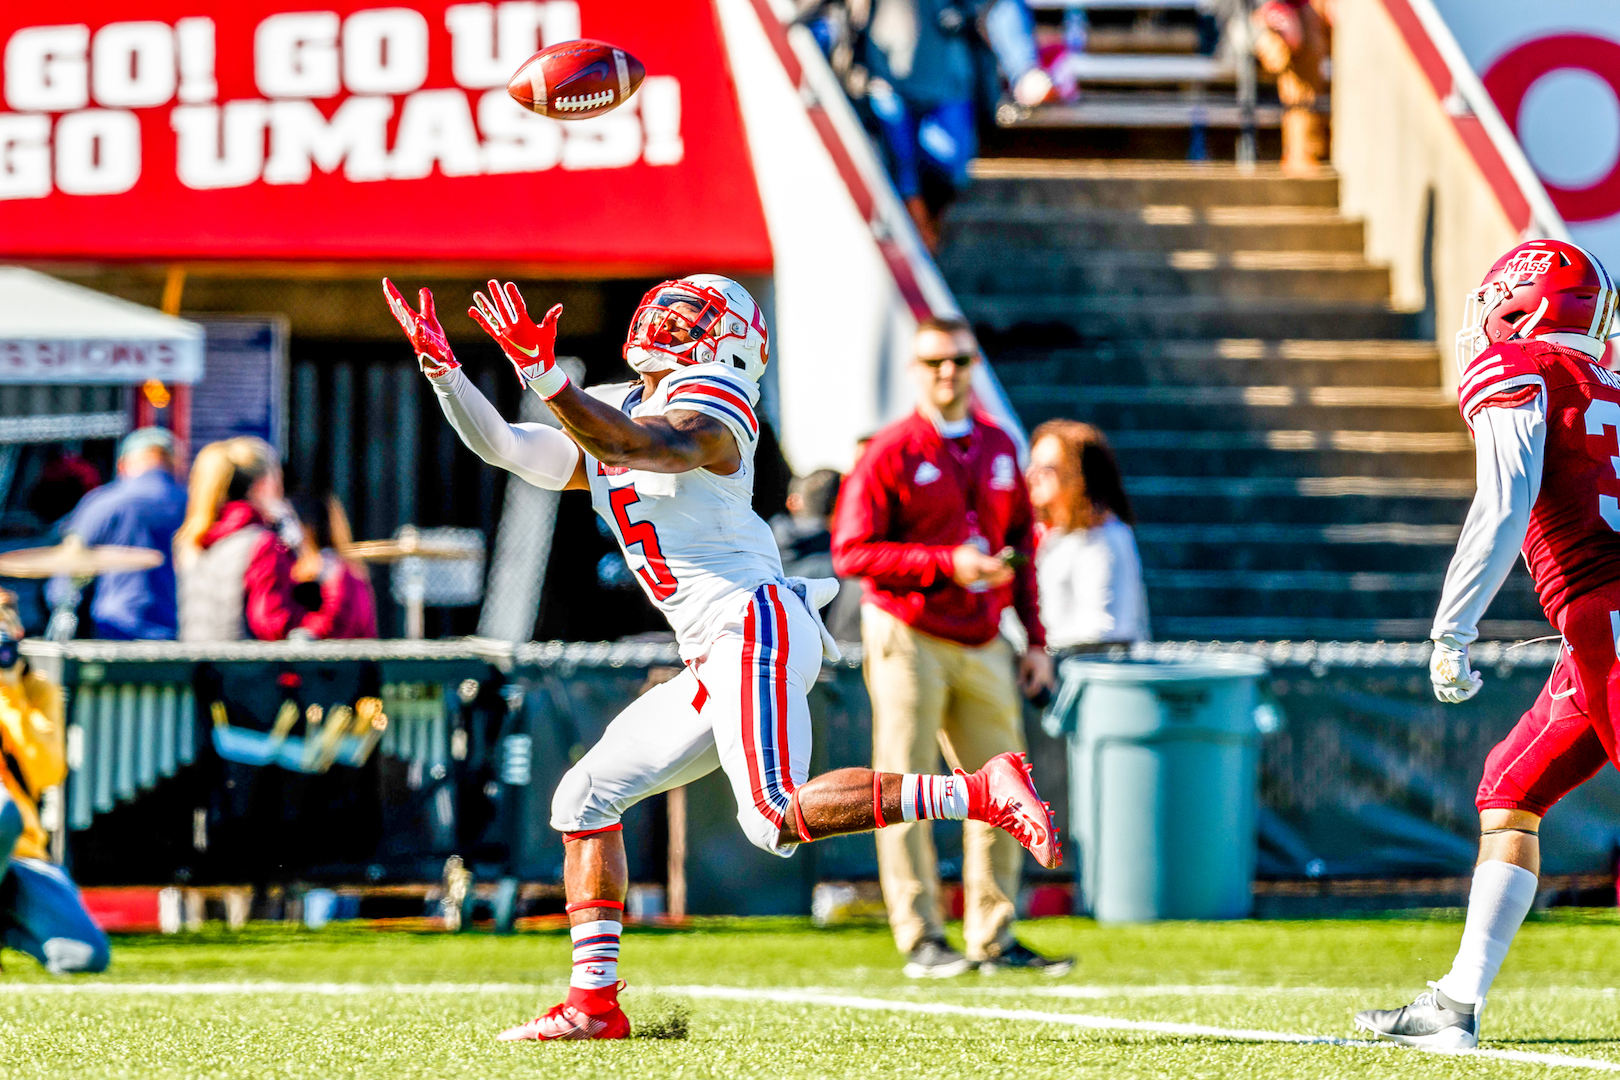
921	90
1294	41
342	605
920	65
1007	33
233	563
804	536
934	517
62	483
1087	565
142	508
41	913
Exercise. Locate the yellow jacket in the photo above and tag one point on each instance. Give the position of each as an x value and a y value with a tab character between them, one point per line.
31	737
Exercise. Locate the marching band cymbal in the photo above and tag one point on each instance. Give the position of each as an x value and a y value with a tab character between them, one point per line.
74	559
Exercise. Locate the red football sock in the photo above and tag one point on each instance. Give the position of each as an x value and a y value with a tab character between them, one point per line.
603	999
978	792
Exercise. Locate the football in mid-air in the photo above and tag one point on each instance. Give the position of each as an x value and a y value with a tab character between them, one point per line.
576	79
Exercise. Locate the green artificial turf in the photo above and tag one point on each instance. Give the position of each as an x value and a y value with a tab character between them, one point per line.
350	1002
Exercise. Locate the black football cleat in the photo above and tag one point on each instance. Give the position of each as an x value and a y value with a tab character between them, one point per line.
1019	955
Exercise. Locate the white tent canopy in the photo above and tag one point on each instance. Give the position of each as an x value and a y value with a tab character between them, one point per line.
55	332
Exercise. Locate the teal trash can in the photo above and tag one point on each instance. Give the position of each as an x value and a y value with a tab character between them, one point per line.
1164	771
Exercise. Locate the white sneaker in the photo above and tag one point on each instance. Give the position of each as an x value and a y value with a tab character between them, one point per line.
1433	1021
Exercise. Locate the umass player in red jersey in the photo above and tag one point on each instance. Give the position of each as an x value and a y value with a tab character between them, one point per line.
1545	414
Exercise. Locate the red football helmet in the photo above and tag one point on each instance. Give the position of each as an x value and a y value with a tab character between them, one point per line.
1544	289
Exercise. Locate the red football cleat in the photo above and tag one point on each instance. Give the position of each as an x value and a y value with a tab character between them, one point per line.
566	1022
1003	795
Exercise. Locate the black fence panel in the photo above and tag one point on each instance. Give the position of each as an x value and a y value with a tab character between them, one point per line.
1364	775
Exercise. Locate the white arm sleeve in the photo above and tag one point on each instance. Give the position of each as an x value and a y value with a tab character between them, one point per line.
542	455
1509	445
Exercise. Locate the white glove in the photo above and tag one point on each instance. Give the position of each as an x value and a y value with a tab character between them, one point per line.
1454	681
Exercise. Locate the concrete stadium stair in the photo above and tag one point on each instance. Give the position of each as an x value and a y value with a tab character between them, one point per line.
1296	467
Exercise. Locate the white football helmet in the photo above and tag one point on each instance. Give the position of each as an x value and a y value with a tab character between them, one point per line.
701	319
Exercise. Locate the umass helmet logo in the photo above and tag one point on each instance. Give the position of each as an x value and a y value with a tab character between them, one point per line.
1530	264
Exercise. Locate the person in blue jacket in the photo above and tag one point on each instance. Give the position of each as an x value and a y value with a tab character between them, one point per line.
142	508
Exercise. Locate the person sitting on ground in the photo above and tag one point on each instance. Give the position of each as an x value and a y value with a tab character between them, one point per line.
234	565
342	605
1089	572
142	508
41	912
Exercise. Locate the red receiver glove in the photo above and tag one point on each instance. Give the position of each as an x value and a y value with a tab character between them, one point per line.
427	336
532	349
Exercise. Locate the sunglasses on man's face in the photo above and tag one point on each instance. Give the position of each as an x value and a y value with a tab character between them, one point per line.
960	361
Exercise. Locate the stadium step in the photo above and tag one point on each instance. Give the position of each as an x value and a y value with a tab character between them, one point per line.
1133	185
984	270
1295	466
1371	603
1221	229
1231	362
1194	454
1109	315
1216	413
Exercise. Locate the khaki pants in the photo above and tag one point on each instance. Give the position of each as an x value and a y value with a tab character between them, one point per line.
933	697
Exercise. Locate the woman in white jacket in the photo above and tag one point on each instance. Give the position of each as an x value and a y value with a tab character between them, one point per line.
1087	566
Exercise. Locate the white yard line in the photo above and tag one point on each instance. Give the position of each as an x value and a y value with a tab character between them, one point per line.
1110	1023
834	999
1095	993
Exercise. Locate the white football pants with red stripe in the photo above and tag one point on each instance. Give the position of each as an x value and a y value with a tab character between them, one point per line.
740	707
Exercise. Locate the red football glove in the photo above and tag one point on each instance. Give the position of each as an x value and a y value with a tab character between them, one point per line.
532	349
427	336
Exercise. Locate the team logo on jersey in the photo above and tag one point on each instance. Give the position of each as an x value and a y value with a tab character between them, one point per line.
1529	264
1003	473
927	473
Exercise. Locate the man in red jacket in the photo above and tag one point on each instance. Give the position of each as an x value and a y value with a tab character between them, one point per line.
936	519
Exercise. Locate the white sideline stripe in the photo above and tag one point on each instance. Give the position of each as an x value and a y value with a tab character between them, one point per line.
1109	1023
841	1001
1097	993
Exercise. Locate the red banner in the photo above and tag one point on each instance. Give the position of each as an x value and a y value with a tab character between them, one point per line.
148	131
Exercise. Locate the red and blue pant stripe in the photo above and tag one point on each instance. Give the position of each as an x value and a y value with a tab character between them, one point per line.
765	704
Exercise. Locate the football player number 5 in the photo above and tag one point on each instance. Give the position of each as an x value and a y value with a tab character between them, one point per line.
1599	415
642	533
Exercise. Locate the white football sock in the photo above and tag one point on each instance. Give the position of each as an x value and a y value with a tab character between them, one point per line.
1497	904
923	797
596	954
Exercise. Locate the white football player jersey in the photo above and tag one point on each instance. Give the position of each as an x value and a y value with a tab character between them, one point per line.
692	538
